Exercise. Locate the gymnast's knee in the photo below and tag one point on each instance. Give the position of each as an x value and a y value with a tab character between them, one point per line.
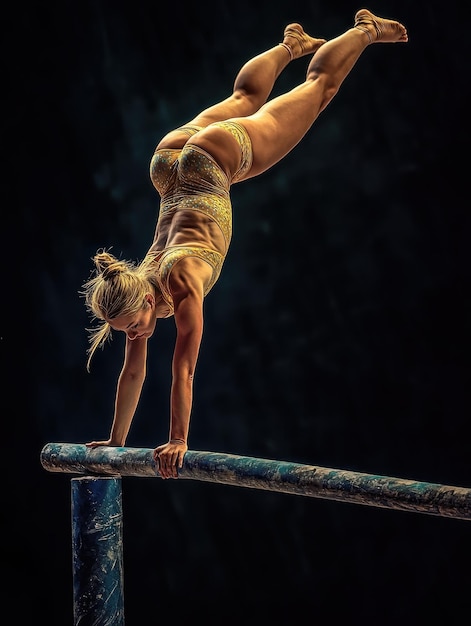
325	85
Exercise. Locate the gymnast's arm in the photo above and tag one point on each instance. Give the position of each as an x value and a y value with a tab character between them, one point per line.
128	392
187	285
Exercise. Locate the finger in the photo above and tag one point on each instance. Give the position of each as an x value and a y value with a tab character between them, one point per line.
172	468
163	463
160	462
172	462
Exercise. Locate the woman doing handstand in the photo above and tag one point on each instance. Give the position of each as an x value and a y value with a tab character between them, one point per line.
192	169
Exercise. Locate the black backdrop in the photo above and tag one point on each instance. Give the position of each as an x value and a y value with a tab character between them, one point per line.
338	335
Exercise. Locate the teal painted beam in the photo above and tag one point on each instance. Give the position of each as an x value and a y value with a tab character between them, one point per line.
282	476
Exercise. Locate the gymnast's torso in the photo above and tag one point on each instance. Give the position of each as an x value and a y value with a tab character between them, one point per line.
195	218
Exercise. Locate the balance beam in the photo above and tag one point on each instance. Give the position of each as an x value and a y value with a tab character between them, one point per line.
281	476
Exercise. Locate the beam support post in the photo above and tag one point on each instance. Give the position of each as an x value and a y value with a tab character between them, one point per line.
97	551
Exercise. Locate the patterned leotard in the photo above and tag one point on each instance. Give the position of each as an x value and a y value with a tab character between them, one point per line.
190	179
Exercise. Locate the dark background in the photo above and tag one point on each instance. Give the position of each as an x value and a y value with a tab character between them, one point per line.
338	334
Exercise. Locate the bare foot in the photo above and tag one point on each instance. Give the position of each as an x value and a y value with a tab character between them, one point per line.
379	29
300	43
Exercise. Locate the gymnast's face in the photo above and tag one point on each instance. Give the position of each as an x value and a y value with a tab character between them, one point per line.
140	325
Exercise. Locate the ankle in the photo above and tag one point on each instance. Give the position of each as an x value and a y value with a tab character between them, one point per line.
365	29
289	49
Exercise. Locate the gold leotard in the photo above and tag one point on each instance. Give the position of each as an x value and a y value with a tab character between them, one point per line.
190	179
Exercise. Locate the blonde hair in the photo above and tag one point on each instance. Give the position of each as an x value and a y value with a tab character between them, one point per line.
116	287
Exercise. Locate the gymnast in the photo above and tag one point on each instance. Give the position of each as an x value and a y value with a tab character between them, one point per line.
192	169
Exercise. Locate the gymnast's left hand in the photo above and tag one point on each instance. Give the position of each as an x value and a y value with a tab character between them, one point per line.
169	457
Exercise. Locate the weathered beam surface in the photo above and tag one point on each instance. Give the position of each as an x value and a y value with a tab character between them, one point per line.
282	476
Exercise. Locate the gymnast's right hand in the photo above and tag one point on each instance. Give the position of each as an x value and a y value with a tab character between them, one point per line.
96	444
